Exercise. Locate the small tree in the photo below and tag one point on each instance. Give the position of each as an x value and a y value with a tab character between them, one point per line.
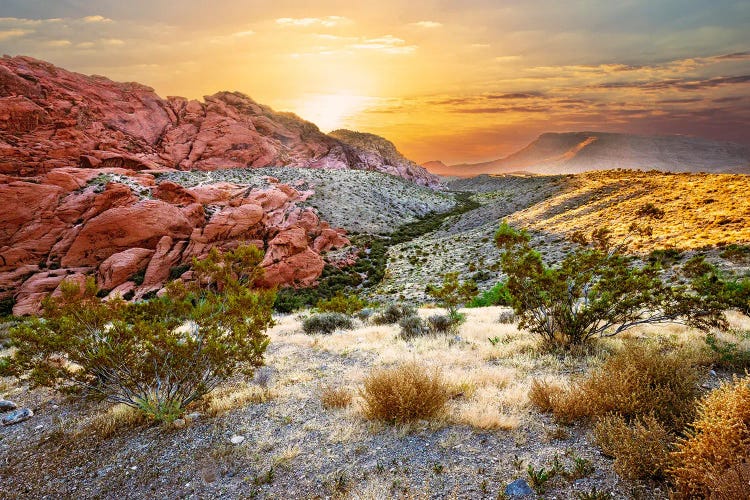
157	355
594	293
453	294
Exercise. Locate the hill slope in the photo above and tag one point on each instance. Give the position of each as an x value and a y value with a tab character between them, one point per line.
576	152
56	118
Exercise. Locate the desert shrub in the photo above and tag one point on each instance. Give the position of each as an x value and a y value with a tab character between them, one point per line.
364	314
160	355
543	394
404	393
650	210
595	293
452	294
287	301
732	483
718	440
340	303
332	396
739	254
498	295
411	327
638	381
392	314
727	354
442	324
6	306
640	448
326	323
507	318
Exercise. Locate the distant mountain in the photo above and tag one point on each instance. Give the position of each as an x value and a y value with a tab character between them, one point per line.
574	152
437	167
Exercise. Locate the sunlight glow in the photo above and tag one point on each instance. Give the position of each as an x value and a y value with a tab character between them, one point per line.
330	111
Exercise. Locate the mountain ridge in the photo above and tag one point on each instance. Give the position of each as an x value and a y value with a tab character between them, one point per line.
575	152
54	118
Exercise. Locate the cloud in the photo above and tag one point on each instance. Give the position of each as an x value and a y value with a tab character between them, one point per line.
96	19
59	43
427	24
386	43
506	59
13	33
326	22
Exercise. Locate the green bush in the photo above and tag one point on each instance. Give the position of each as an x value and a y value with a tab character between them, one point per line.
498	295
326	323
595	293
340	303
452	294
158	355
411	327
392	314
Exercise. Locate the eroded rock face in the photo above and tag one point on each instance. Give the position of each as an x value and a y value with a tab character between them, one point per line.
51	118
79	160
64	227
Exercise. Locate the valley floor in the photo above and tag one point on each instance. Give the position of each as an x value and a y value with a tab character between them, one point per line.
291	446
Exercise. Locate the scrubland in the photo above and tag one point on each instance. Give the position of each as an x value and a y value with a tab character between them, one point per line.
306	429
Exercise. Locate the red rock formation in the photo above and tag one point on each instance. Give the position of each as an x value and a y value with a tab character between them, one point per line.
51	118
60	225
78	162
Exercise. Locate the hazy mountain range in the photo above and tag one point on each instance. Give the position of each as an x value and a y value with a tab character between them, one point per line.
575	152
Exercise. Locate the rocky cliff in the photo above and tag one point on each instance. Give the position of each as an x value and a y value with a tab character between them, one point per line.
80	165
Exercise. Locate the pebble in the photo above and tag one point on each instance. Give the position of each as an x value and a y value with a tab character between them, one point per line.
236	439
6	405
17	416
518	488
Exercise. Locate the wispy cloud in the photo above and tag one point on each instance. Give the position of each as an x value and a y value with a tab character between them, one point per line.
96	19
427	24
386	43
326	22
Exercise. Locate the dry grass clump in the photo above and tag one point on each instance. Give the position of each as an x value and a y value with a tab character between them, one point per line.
717	443
116	418
637	381
640	449
332	396
230	397
733	483
404	393
543	395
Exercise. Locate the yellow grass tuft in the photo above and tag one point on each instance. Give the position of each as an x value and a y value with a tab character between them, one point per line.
403	393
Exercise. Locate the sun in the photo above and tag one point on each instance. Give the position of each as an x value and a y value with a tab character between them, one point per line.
330	111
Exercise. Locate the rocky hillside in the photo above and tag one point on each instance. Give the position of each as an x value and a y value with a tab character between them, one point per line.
50	118
372	152
647	211
576	152
358	201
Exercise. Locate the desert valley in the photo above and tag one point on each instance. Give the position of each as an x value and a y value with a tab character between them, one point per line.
210	298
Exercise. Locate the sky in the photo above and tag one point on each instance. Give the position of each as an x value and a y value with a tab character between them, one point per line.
458	81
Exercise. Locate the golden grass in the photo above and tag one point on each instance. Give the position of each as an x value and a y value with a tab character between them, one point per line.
696	208
719	440
112	421
639	380
332	396
230	397
404	393
640	449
